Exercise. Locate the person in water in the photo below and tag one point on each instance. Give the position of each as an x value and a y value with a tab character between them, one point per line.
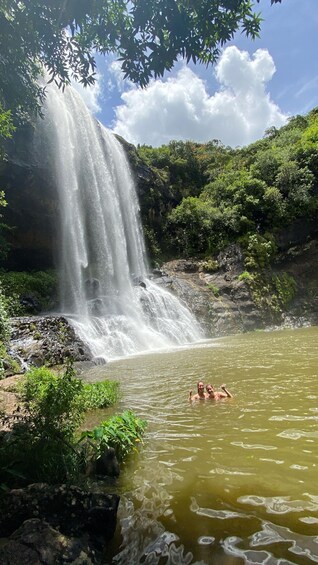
200	394
212	394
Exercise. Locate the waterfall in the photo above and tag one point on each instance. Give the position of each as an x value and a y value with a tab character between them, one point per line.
105	287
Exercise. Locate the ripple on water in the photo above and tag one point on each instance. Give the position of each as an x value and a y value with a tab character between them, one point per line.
249	556
298	544
309	520
268	536
298	467
254	430
253	446
277	461
224	477
228	471
289	418
279	504
296	434
206	540
215	513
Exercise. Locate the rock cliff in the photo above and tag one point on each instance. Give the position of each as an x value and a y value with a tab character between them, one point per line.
226	303
222	300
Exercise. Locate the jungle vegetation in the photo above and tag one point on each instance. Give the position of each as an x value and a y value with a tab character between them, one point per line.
207	195
47	442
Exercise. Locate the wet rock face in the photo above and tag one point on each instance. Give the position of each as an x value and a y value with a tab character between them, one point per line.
224	304
56	524
51	340
33	209
231	260
301	262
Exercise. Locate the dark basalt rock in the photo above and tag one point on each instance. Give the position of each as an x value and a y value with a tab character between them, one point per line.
107	464
49	340
224	304
231	310
33	208
37	543
231	260
63	522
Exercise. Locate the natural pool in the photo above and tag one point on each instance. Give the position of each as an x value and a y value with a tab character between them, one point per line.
228	482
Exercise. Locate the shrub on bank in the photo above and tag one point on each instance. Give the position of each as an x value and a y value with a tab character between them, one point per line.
122	433
99	395
26	291
42	444
4	318
4	331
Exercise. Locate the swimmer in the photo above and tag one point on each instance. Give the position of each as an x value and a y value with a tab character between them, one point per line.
200	395
212	394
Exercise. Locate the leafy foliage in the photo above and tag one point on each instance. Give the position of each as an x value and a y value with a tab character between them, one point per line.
148	35
122	433
6	125
5	331
41	285
8	365
272	293
182	170
259	251
40	446
286	287
6	130
221	195
43	442
52	401
4	318
99	395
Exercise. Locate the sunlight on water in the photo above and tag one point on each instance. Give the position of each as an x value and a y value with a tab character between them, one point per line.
229	482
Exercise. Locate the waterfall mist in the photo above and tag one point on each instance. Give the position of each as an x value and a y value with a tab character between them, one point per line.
104	283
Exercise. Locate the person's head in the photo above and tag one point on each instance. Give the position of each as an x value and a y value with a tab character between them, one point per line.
210	389
200	387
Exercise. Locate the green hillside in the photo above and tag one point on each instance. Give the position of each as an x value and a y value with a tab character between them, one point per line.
209	195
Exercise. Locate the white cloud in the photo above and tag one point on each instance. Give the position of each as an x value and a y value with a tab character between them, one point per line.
117	77
91	94
181	107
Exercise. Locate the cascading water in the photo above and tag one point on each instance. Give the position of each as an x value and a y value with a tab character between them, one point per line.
105	289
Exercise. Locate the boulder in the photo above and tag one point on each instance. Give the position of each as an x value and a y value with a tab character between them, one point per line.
49	340
35	542
57	520
107	464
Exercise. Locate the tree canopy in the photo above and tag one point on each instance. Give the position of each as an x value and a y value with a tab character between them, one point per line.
148	36
211	195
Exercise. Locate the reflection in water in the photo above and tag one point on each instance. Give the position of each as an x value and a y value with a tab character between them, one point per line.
229	482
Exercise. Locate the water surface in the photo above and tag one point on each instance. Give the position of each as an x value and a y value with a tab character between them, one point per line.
226	482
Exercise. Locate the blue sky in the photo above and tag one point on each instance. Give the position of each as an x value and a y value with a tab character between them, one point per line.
255	85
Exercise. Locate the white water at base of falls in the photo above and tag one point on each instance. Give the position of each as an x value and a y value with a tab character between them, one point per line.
105	288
